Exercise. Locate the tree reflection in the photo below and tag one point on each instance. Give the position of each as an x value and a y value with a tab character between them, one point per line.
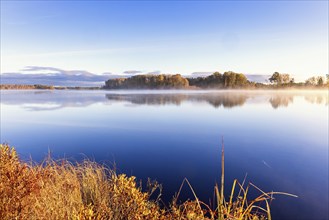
317	99
281	100
226	100
54	100
148	99
49	100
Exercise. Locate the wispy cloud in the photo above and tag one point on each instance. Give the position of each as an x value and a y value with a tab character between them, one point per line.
156	72
96	51
71	53
31	20
200	74
14	23
262	78
55	76
132	72
60	71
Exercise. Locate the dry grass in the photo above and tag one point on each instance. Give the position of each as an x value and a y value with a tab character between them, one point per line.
87	190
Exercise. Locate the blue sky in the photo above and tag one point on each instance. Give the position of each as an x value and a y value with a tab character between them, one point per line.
253	37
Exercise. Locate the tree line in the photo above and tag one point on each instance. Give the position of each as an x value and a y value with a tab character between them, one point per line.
227	80
161	81
43	87
24	87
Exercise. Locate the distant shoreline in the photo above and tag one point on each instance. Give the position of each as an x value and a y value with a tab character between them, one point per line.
190	88
217	81
44	87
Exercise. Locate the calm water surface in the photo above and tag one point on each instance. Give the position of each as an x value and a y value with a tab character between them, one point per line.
280	139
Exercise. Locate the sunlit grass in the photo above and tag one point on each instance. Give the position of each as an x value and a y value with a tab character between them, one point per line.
87	190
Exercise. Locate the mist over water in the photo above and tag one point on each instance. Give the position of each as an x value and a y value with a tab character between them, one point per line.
280	138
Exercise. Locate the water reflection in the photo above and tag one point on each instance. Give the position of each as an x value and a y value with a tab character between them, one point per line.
54	100
281	100
268	135
317	99
50	100
227	100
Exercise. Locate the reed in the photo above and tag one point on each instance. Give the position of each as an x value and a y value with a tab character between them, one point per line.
239	207
87	190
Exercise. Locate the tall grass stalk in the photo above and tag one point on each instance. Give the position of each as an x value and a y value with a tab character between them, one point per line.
240	208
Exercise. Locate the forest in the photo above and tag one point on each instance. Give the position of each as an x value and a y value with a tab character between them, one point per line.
227	80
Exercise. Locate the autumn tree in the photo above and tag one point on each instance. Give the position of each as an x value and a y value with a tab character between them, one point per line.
320	81
315	81
281	78
275	78
312	81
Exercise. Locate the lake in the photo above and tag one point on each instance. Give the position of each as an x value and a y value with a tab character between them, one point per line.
279	139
